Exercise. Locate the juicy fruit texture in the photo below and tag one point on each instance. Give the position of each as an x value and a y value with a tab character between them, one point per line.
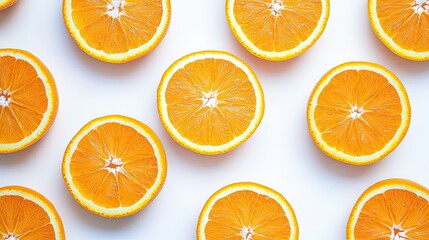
402	25
245	211
210	102
392	209
114	166
6	3
277	30
28	99
117	31
358	112
26	215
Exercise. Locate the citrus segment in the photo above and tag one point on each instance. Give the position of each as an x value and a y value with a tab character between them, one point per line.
277	29
210	101
25	214
6	3
403	26
391	209
28	99
114	166
358	112
117	30
245	211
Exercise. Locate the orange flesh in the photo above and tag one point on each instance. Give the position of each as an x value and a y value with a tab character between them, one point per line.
200	123
118	183
378	123
20	84
395	211
241	209
268	32
399	20
136	25
24	219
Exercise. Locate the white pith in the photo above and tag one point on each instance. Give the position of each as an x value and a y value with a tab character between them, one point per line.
118	57
246	232
150	192
278	4
55	221
216	55
410	54
404	115
114	8
50	108
5	98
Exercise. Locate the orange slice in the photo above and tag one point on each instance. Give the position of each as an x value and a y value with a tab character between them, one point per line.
392	209
117	31
28	99
6	3
277	30
245	211
402	25
358	113
114	166
210	102
26	214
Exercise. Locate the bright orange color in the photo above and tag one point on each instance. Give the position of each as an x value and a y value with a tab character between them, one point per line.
244	211
210	102
117	31
26	214
114	166
402	25
6	3
277	29
391	209
358	112
28	99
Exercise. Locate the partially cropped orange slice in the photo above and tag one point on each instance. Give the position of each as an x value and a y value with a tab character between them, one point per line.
402	25
117	31
28	99
246	211
6	3
114	166
25	215
392	209
210	102
358	112
277	30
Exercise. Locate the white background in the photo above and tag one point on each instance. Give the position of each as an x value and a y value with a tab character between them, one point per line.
280	154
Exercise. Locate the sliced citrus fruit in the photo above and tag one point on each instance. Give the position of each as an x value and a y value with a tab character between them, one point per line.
402	25
210	101
117	31
245	211
114	166
358	112
26	214
6	3
28	99
277	30
391	209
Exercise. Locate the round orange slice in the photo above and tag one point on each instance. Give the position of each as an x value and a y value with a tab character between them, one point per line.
247	211
277	30
114	166
117	31
358	113
28	99
402	25
392	209
210	101
26	214
6	3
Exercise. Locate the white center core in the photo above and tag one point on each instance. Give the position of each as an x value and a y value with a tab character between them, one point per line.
276	7
420	2
421	6
246	233
210	100
114	9
114	165
356	112
10	237
5	98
